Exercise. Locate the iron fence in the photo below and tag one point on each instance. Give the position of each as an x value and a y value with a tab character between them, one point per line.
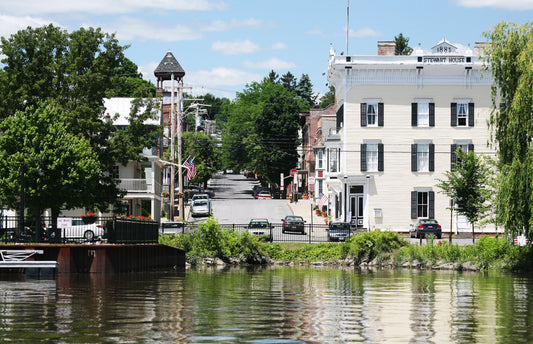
313	233
78	230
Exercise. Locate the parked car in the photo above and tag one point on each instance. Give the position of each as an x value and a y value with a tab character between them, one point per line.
257	189
78	230
424	227
200	196
192	190
260	228
292	223
264	195
200	207
339	231
171	227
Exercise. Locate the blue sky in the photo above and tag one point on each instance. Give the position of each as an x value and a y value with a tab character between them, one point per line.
225	44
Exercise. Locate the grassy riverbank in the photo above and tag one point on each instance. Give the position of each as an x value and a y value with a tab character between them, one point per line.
369	248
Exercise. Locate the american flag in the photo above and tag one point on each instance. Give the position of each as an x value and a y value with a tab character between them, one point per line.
322	201
191	168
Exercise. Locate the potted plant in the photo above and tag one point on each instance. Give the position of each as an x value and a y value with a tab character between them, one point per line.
89	217
324	214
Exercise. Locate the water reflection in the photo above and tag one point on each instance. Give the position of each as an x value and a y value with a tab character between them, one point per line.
269	305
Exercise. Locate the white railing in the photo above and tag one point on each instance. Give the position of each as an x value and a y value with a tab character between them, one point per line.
140	185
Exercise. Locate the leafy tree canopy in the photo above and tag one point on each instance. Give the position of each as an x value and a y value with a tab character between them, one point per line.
262	130
75	72
509	56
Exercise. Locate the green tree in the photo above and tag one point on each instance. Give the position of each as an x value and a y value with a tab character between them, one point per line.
468	185
75	71
41	135
262	130
273	76
402	45
328	98
289	81
203	148
304	90
130	82
509	56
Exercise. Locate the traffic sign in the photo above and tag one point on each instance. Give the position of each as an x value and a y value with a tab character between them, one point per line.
294	172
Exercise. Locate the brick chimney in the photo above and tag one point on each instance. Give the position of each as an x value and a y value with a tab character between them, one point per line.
386	47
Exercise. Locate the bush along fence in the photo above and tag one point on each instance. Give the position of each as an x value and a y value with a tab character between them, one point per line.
81	229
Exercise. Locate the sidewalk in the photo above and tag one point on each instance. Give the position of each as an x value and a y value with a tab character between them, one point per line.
304	208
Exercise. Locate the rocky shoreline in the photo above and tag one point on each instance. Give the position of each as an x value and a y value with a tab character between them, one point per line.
341	263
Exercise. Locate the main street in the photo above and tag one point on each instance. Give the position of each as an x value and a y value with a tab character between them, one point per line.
235	204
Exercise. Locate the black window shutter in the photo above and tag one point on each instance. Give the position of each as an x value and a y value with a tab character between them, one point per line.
471	147
381	119
414	114
363	114
431	157
431	197
453	150
470	114
363	157
414	204
453	107
431	114
381	164
414	164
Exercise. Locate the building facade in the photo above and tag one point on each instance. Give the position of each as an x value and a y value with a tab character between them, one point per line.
400	120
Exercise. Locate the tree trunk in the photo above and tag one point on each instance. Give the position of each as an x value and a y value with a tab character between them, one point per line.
473	235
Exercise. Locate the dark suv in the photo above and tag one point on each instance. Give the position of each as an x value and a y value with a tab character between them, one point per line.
426	226
339	231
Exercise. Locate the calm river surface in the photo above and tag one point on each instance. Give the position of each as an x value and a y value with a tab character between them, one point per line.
270	305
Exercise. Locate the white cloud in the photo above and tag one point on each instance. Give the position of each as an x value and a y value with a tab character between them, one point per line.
365	32
514	5
279	46
10	25
106	6
235	48
128	28
273	63
220	25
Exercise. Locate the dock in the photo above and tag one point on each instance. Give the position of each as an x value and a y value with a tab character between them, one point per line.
90	258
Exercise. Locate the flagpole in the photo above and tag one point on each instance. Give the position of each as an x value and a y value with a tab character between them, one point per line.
180	173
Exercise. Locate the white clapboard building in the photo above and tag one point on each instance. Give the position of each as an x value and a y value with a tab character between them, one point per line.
400	119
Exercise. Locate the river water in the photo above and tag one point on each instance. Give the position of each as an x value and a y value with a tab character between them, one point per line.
268	305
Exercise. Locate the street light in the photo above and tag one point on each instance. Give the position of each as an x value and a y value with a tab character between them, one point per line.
22	173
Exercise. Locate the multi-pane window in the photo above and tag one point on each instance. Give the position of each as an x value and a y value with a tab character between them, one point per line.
422	204
319	159
423	114
462	114
333	159
423	157
372	157
371	114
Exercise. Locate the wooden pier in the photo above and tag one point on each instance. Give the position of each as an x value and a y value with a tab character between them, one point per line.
94	258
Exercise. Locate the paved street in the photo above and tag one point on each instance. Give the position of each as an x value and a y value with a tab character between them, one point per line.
234	204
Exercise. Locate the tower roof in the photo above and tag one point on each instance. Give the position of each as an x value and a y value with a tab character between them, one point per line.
168	66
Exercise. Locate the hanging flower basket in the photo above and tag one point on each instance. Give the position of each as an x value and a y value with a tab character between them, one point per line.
89	217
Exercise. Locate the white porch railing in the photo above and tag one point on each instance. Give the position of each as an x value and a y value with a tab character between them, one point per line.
140	185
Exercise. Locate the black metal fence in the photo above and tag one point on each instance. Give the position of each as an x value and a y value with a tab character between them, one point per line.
79	230
313	233
127	231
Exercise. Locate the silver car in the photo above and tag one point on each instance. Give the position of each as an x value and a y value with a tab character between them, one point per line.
200	207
